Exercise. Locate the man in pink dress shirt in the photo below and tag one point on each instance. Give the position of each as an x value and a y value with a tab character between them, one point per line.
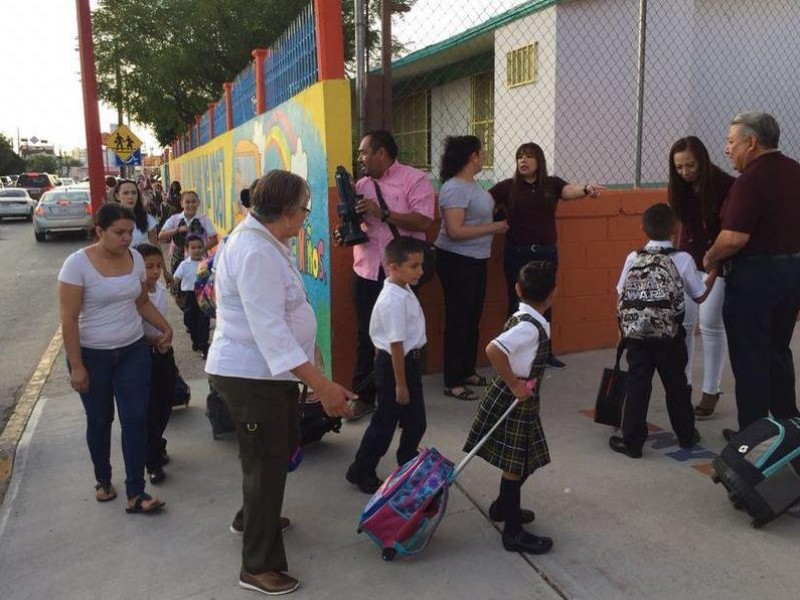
409	198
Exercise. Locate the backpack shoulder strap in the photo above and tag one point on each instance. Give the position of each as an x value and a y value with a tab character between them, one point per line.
529	319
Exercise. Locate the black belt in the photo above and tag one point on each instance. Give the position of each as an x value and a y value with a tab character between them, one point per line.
414	354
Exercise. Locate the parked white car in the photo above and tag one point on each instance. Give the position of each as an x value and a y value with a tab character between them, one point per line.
16	202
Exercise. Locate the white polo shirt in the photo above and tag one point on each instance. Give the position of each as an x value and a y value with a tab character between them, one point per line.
187	273
265	325
693	281
397	317
521	343
159	300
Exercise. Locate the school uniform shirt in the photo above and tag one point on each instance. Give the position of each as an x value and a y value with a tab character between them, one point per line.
521	342
159	299
187	273
693	283
397	317
265	324
139	236
199	225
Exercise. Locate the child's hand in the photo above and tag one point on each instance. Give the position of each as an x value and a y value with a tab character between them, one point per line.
520	389
402	396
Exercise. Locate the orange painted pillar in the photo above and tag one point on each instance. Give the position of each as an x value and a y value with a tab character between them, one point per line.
228	105
211	107
330	39
260	54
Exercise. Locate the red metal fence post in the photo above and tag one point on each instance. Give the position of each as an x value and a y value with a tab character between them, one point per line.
260	54
228	105
330	39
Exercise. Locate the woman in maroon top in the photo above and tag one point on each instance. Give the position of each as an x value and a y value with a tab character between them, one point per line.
697	189
528	201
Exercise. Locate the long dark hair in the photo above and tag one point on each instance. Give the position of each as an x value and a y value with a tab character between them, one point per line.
710	183
457	151
541	173
139	213
108	213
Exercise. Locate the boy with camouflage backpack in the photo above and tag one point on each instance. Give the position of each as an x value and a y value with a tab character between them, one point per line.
650	311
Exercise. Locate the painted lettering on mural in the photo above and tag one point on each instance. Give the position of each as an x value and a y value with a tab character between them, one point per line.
310	254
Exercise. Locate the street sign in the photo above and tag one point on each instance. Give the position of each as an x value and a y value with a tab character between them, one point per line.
134	159
123	143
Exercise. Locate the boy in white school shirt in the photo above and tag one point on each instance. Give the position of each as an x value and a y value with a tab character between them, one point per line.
397	329
197	323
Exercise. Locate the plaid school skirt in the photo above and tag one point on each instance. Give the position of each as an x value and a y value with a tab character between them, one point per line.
518	446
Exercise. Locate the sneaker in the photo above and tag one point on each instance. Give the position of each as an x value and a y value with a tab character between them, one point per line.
164	458
526	542
554	363
157	475
368	483
271	583
694	441
528	516
617	444
361	408
728	434
237	527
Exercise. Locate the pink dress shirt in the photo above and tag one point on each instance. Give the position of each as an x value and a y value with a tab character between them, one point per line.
405	190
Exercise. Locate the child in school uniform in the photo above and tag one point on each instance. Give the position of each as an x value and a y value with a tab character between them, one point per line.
185	276
397	329
518	446
162	374
651	291
189	222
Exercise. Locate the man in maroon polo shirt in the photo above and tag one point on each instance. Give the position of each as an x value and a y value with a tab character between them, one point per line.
760	239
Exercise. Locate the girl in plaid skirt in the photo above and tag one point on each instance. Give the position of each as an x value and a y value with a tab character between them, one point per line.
518	447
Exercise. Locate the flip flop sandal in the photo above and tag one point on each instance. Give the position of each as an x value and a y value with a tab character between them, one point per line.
105	492
478	380
138	507
702	413
466	394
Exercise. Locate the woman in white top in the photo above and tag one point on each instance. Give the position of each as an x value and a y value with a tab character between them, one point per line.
177	227
128	195
102	300
263	346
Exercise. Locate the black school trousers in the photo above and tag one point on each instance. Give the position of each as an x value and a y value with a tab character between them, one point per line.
162	393
669	358
365	295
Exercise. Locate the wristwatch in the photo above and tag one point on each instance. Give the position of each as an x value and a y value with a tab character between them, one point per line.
384	214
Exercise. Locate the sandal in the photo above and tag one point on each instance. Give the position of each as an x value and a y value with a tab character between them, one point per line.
466	394
139	506
476	379
105	492
704	413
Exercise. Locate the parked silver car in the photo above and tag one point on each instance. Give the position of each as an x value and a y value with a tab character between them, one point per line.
62	210
15	202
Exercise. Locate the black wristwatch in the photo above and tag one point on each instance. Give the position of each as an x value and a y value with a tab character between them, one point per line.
384	214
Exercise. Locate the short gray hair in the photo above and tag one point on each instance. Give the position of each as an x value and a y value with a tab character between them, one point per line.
277	193
763	126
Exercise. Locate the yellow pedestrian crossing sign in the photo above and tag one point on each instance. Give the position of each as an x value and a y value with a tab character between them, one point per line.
123	142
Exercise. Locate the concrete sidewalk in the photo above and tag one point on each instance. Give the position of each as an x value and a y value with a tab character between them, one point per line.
624	529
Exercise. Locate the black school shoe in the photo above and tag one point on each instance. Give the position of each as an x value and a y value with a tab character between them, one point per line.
367	483
157	475
522	541
555	363
617	444
728	434
694	441
527	516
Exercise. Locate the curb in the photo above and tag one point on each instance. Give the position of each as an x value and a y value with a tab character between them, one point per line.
11	435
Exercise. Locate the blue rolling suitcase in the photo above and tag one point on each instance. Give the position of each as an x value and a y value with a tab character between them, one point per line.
760	468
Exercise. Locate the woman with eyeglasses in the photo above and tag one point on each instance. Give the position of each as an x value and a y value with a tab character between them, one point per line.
529	201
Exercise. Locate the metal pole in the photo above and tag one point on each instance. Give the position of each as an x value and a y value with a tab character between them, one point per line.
386	62
91	113
361	64
641	63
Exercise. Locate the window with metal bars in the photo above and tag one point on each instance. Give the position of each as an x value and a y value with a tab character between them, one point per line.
412	129
481	112
521	65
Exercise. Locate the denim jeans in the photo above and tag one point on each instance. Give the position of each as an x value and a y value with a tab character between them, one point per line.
123	373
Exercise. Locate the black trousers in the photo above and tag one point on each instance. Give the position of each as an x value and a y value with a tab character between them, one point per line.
268	428
464	283
196	322
389	414
514	258
669	358
162	392
365	294
762	299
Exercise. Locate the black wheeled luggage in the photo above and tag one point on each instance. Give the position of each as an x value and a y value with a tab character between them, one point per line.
760	468
218	414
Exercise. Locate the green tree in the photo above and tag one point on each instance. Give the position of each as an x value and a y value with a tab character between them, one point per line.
11	163
42	163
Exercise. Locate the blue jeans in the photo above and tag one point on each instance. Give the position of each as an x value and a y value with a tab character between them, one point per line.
123	373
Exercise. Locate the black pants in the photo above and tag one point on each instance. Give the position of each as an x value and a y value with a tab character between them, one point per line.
514	258
464	283
365	294
411	417
762	299
162	392
668	357
268	429
196	322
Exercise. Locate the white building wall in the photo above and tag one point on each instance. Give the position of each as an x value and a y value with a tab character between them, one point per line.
525	113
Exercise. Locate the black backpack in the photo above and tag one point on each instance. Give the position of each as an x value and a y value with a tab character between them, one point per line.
651	305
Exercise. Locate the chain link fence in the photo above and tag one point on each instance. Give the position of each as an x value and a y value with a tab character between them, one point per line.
604	86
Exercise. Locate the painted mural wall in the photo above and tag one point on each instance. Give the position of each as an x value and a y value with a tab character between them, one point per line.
307	135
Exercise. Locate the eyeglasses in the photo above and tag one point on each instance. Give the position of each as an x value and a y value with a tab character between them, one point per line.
306	210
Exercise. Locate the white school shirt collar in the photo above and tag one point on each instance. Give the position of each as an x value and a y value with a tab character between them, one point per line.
529	310
653	244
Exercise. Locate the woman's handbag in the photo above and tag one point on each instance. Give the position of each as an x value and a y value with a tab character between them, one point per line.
612	393
428	249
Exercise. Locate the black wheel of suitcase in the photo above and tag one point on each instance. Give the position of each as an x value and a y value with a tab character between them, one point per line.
389	554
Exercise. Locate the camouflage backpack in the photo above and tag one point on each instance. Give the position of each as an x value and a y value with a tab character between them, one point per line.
652	304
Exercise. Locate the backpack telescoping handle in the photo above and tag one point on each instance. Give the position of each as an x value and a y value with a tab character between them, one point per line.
531	385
